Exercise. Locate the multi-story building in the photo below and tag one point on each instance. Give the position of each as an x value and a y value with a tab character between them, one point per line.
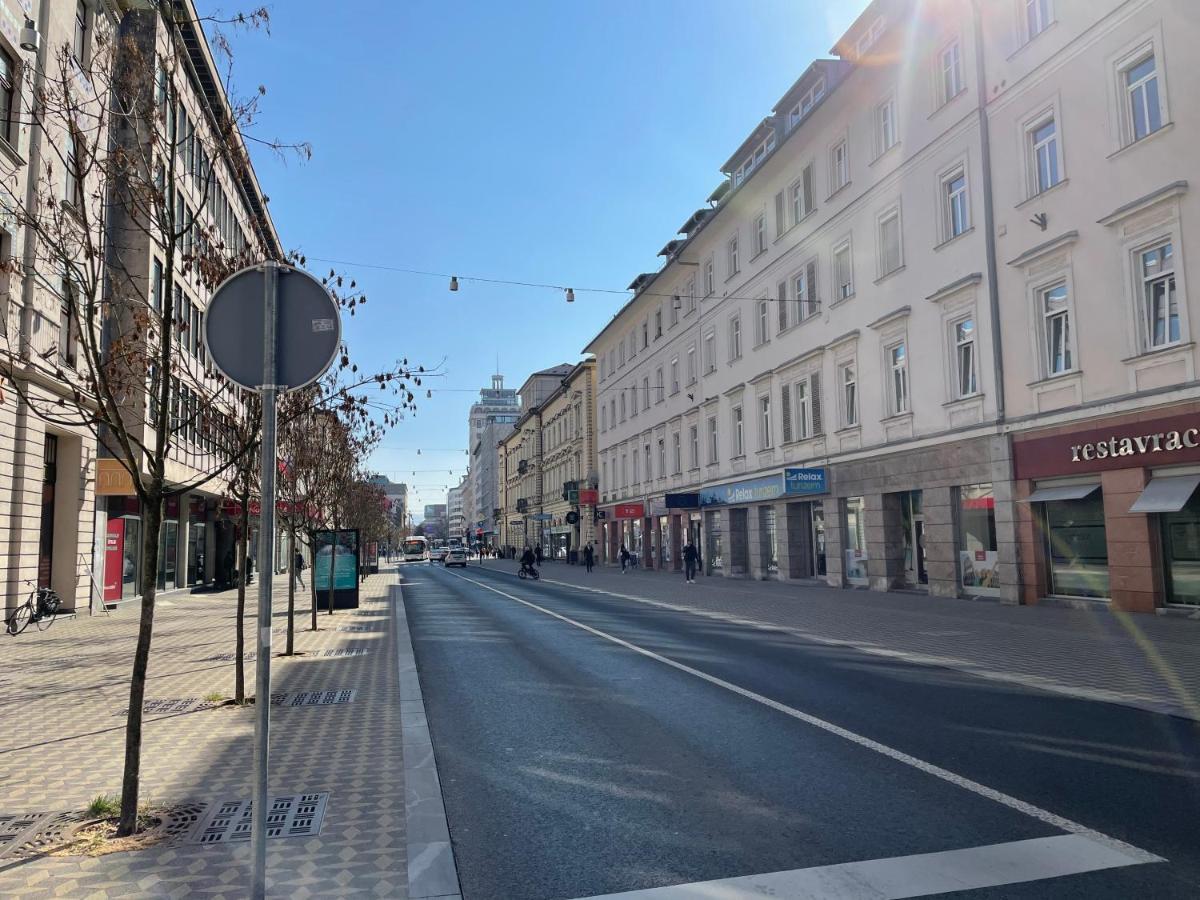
434	523
397	497
864	362
455	522
568	463
491	418
48	470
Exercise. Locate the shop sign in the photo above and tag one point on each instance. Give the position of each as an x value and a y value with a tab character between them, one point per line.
682	501
113	479
753	490
805	481
589	497
1156	442
629	511
542	517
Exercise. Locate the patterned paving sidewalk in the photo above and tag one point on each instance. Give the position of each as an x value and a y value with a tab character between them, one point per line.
62	693
1150	662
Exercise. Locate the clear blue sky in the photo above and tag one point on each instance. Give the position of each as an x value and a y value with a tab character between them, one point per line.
548	141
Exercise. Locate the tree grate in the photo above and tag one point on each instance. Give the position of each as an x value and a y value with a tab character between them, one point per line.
230	657
292	816
178	705
347	651
313	698
357	628
15	828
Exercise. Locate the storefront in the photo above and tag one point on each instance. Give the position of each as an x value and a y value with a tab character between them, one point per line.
623	525
1110	512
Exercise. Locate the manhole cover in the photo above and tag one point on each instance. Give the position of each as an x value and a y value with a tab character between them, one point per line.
293	816
347	651
313	698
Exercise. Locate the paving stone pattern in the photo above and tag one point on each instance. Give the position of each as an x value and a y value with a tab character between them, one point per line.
61	746
1150	662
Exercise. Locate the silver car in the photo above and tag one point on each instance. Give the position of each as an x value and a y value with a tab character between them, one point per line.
455	556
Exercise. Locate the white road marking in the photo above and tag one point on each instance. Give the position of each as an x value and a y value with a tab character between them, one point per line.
906	876
1135	854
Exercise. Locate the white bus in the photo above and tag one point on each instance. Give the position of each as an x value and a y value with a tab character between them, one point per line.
416	549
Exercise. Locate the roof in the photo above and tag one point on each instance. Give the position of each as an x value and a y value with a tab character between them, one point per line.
761	132
693	220
637	283
560	369
889	9
827	68
719	191
670	247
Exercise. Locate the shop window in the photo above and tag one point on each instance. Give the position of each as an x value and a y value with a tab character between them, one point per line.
1181	553
855	540
768	539
977	557
1076	545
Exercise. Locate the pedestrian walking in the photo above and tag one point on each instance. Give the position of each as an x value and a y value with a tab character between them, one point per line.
624	554
298	564
689	562
537	554
589	557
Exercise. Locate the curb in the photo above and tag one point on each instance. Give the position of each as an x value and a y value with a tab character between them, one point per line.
430	857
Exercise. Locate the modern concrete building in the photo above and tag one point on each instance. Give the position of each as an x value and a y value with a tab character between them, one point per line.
455	522
434	525
491	418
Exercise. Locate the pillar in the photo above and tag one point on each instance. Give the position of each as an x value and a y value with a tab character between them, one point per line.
835	542
941	541
885	541
1134	555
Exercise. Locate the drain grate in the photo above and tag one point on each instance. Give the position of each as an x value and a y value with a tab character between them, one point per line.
179	705
347	651
14	826
313	698
292	816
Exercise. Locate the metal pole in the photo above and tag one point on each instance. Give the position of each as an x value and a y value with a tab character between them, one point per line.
266	568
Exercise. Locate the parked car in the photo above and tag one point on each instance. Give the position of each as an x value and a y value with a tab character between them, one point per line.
456	556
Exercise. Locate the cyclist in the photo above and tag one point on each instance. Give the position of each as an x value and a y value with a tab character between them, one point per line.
528	560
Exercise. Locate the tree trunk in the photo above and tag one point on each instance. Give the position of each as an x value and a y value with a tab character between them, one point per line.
130	778
291	627
239	676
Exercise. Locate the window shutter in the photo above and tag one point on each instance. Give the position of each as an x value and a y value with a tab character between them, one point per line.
810	285
809	200
814	388
779	223
782	298
785	404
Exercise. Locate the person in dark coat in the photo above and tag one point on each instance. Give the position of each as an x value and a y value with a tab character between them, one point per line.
537	553
689	561
624	554
589	557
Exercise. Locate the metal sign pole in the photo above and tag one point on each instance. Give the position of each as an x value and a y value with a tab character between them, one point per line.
266	569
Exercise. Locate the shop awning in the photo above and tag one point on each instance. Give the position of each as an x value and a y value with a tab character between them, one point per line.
1166	493
1066	492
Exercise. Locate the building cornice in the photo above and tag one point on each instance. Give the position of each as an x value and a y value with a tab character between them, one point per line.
1044	248
1132	208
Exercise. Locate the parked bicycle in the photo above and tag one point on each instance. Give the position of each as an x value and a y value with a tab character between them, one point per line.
41	608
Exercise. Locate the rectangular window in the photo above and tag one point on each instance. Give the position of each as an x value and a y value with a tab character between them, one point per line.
156	285
694	445
1076	546
760	234
889	243
1141	87
762	323
781	306
1045	159
764	423
1037	17
72	189
676	454
843	272
1056	329
710	352
66	323
885	125
622	406
957	219
658	385
732	257
636	477
1158	293
712	440
802	419
646	456
79	40
646	392
645	333
780	215
735	338
849	396
691	364
662	458
709	277
950	62
805	285
977	546
691	295
964	358
621	353
658	323
674	311
802	199
675	375
839	166
9	110
739	436
898	363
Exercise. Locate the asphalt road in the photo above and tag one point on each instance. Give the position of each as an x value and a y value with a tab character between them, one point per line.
589	745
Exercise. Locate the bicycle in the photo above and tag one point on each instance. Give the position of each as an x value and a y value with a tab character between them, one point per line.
41	608
527	572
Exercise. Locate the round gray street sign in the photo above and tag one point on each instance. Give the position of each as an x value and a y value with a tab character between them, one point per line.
308	328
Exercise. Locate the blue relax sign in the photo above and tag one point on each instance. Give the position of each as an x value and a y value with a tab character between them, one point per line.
805	481
768	487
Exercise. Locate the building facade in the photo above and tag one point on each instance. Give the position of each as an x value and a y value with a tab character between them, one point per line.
434	525
455	521
491	418
568	464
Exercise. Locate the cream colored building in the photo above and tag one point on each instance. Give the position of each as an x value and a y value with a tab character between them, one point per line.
520	480
568	463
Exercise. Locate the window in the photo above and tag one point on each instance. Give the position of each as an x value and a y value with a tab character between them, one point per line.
79	39
612	413
662	458
691	364
843	272
760	234
622	406
691	295
781	306
694	446
66	322
658	383
72	189
802	201
804	286
646	455
735	338
1158	293
675	375
898	363
957	218
849	396
712	440
1057	329
675	304
964	358
603	370
633	401
633	343
621	353
732	258
839	166
645	333
764	422
156	285
805	104
709	277
676	454
739	437
1141	87
889	243
762	323
1045	160
646	392
636	478
757	155
658	323
885	125
1037	17
807	398
950	65
869	37
9	111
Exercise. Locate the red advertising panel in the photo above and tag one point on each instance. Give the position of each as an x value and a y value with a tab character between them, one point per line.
589	498
629	511
114	559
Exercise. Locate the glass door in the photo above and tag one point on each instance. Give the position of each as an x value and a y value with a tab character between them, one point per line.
168	556
818	538
133	553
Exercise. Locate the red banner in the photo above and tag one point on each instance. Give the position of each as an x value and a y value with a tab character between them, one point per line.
589	498
629	511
